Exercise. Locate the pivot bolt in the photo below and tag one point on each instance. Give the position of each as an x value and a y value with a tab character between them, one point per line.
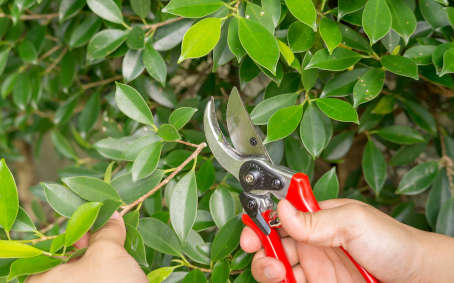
276	183
251	204
253	141
249	178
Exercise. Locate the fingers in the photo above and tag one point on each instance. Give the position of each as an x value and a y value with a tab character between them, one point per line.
83	242
331	227
267	269
113	231
249	241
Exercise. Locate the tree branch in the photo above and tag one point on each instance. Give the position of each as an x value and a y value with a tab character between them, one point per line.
194	155
32	16
447	163
100	83
52	66
167	22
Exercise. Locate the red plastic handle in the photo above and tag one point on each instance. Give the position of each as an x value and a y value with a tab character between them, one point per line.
300	195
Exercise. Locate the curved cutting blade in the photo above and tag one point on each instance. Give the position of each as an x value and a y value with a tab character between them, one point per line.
243	134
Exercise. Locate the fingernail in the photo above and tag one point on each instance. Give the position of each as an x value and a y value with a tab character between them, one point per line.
116	215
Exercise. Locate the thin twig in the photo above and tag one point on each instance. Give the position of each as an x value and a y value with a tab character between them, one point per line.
447	162
102	82
50	52
52	66
167	22
187	143
128	207
37	240
32	16
50	226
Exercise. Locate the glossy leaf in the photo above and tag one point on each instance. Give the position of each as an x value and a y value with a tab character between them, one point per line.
339	146
181	116
349	6
330	33
253	37
300	37
27	51
377	19
374	167
23	222
304	11
227	239
105	42
183	209
196	248
141	7
132	65
32	265
159	236
81	221
201	38
339	60
160	274
147	161
222	206
315	130
134	245
418	178
342	84
153	61
327	187
106	9
283	122
338	109
69	8
400	134
108	208
221	272
132	104
438	195
168	132
195	276
433	13
400	65
9	201
84	31
407	154
265	109
420	116
62	145
233	40
421	54
15	249
445	219
403	18
256	13
192	9
91	189
61	199
368	86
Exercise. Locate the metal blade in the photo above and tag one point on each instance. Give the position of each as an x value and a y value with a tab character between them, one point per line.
243	134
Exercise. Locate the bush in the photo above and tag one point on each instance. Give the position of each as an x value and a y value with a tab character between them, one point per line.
356	94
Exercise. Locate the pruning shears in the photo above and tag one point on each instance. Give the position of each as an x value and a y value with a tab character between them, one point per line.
249	162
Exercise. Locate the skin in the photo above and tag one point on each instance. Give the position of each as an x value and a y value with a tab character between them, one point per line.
105	260
388	249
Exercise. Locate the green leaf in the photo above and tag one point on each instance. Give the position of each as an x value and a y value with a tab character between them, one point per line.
221	272
155	64
201	38
308	77
132	104
339	146
205	176
338	109
421	54
438	195
14	249
195	276
450	13
58	243
368	86
107	210
403	18
27	51
222	206
354	39
400	134
377	20
342	84
418	178
300	37
330	33
327	187
81	221
68	70
181	116
374	167
433	13
227	239
106	9
135	246
23	222
132	65
266	108
147	161
407	154
221	52
253	37
125	148
274	9
315	130
89	115
240	260
438	56
9	200
233	40
158	236
84	31
136	38
65	111
244	277
401	66
193	8
168	132
340	60
420	116
283	122
196	248
141	7
91	189
349	6
61	199
62	145
183	208
286	52
4	54
304	11
32	265
448	66
69	8
105	42
256	13
446	219
160	274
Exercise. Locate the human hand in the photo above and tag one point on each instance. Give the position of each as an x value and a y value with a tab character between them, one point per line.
105	260
388	249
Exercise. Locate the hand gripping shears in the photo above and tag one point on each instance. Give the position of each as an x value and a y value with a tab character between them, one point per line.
250	163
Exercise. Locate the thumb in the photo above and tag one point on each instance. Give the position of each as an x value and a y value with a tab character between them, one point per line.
113	231
332	227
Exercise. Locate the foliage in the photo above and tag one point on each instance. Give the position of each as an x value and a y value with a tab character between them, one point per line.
357	94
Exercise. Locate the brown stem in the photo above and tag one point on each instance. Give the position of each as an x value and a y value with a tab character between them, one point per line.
447	162
32	16
42	239
187	143
46	229
52	66
102	82
138	201
167	22
50	52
